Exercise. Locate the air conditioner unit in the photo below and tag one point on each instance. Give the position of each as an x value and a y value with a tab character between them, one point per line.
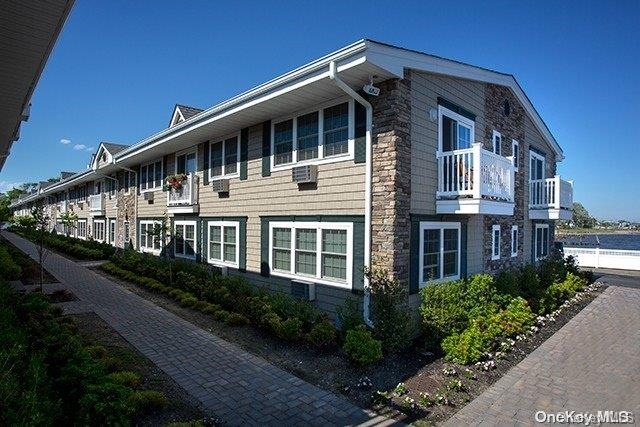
220	185
303	290
304	174
148	195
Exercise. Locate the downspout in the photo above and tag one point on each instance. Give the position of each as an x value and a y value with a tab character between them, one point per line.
333	75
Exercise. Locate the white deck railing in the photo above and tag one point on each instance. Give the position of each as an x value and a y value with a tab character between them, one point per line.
475	172
63	206
605	258
96	202
551	193
185	196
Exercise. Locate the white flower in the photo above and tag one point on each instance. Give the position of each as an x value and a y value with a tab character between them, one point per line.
449	372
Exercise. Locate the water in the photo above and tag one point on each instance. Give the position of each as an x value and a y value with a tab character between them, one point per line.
606	241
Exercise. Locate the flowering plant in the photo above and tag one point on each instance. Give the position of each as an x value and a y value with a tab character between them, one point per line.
174	182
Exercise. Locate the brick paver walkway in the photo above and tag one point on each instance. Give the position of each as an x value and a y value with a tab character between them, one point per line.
230	383
590	364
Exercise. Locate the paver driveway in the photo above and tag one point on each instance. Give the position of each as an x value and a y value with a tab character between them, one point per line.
234	385
590	364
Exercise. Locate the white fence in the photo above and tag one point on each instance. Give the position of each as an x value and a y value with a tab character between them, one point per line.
605	258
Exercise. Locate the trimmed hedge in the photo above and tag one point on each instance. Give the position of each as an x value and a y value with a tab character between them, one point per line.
77	248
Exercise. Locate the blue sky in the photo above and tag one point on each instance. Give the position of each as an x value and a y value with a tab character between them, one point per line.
120	66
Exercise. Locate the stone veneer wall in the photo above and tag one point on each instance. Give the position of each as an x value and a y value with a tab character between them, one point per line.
126	211
510	127
391	179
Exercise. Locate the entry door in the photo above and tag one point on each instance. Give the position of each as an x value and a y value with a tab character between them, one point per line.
186	163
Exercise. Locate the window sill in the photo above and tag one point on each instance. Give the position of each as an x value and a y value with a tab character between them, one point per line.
325	160
438	281
219	263
342	285
230	176
192	257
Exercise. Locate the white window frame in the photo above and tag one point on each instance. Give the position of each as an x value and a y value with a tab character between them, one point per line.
465	121
319	226
112	239
223	225
192	150
497	147
495	228
515	146
441	226
514	241
147	164
184	223
533	154
84	235
146	248
535	240
127	181
126	229
222	140
95	229
321	159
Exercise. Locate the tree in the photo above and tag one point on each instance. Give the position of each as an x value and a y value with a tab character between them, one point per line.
581	216
162	232
40	232
69	221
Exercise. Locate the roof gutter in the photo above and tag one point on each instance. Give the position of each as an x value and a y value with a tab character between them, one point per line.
333	75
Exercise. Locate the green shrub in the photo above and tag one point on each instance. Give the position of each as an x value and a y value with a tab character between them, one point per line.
221	315
508	283
236	319
188	301
443	310
466	347
515	319
289	329
105	404
10	270
210	308
558	293
323	335
361	347
349	315
96	351
146	400
125	378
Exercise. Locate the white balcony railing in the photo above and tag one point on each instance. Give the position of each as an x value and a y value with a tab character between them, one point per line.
475	172
96	202
187	195
551	193
63	206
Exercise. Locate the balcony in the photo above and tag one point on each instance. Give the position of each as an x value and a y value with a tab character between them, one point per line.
63	206
551	198
474	181
96	204
184	199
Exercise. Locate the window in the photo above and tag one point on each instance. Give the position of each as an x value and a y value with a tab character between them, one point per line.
151	176
440	251
515	152
129	181
148	242
536	177
186	163
456	132
313	136
98	230
81	230
514	241
112	187
125	235
497	142
112	231
318	251
224	157
185	239
223	243
495	242
541	241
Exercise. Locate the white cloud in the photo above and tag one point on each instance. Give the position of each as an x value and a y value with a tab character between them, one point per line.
6	186
89	149
79	147
65	141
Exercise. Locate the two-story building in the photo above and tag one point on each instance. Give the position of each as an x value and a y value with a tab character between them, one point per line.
371	155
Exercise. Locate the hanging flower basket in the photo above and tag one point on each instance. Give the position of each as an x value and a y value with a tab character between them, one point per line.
174	182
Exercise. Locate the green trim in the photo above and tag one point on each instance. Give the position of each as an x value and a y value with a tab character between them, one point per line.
205	167
264	247
242	238
244	152
266	148
456	108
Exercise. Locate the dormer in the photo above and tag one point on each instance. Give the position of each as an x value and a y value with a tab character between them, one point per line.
104	155
182	113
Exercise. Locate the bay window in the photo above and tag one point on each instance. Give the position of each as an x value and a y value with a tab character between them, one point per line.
317	251
223	243
439	251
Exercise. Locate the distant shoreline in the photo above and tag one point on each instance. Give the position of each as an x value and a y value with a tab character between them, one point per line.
593	231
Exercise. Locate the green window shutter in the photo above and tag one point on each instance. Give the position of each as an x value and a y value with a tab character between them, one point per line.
414	257
205	167
358	256
264	247
463	249
242	241
244	152
360	143
165	162
266	148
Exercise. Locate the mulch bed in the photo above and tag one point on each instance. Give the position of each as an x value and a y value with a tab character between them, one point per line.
61	295
420	370
30	268
182	406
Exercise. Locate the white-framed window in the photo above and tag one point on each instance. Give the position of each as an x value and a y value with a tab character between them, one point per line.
81	229
224	158
315	136
455	132
515	152
495	242
223	243
185	239
497	142
514	241
112	231
439	251
125	235
129	181
541	241
186	161
148	242
537	170
151	176
99	230
318	251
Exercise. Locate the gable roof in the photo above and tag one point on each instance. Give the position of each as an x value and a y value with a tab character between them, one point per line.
111	150
114	148
182	113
